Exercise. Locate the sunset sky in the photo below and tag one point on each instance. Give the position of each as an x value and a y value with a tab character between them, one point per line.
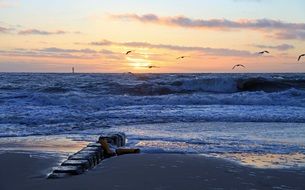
93	35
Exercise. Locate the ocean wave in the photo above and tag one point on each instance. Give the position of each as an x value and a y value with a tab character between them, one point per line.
269	85
9	87
182	86
290	97
124	99
214	85
54	89
151	84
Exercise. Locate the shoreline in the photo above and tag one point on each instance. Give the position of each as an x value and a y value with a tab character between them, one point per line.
64	145
146	171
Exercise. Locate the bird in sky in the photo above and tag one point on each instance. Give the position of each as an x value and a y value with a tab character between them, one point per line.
301	57
151	66
128	52
238	65
263	52
182	57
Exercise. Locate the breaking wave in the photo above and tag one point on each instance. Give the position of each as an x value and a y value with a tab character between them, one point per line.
55	103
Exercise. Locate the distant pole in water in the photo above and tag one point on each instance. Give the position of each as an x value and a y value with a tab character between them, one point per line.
72	70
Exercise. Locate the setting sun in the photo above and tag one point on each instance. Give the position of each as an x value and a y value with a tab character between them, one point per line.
138	63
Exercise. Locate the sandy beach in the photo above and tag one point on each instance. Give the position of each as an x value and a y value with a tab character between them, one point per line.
146	171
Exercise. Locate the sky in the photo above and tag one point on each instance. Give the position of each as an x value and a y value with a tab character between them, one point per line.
94	35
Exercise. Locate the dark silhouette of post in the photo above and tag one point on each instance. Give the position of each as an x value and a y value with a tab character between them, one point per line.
72	70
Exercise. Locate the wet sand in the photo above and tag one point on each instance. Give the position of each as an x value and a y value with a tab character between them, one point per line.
146	171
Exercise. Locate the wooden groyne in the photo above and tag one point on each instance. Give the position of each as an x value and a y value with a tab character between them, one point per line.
88	157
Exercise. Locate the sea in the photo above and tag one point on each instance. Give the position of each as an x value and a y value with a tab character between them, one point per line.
235	116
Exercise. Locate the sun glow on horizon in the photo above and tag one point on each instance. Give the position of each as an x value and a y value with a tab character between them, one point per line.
138	63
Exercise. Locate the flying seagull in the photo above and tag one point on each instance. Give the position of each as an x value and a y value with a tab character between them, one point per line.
238	65
182	57
262	52
301	56
151	66
128	52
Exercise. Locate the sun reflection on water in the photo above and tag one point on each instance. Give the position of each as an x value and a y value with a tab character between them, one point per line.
294	160
58	144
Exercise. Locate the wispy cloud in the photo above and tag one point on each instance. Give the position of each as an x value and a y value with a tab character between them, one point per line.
282	47
8	3
60	50
275	28
41	54
4	30
102	43
54	52
41	32
205	50
182	21
291	35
